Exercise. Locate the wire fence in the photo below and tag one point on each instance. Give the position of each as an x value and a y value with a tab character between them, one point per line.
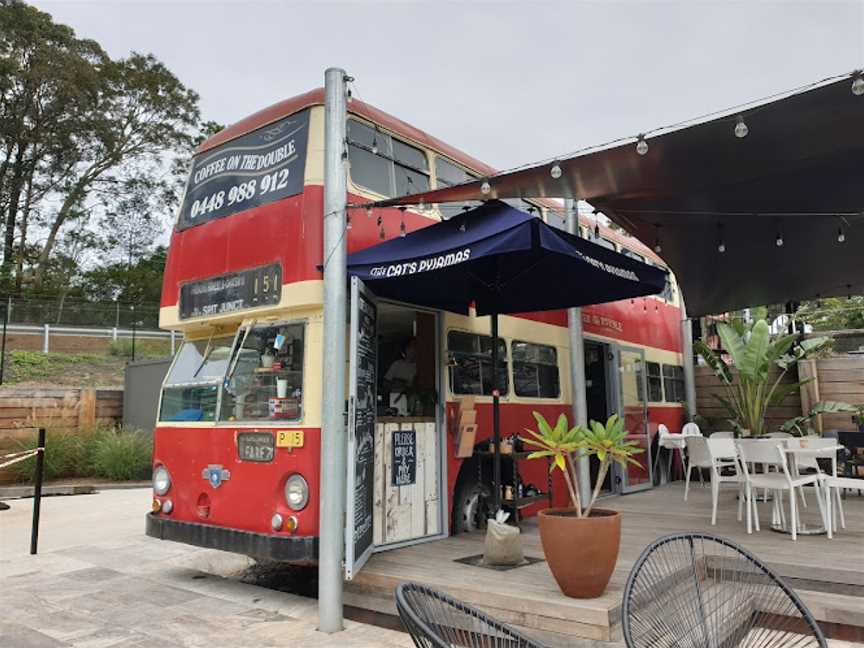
75	312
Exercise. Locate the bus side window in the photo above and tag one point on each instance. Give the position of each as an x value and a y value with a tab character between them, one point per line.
383	164
673	383
471	364
535	370
655	386
448	174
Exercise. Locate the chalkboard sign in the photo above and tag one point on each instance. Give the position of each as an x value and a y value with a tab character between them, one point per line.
259	168
361	422
404	459
232	292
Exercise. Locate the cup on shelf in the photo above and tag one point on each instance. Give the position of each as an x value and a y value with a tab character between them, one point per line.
282	388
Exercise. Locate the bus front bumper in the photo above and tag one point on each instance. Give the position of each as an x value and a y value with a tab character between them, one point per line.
295	549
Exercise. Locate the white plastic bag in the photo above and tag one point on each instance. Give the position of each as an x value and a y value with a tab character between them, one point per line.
503	545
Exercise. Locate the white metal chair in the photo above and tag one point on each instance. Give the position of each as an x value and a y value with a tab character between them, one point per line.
722	435
666	440
808	463
771	452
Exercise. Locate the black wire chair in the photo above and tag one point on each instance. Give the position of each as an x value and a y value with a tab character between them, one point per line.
435	620
698	590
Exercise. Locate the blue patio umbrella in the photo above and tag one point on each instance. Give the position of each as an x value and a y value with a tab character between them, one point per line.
500	260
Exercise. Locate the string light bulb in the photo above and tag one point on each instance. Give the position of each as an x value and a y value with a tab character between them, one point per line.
375	143
641	145
779	240
741	129
858	84
402	230
841	235
485	188
349	96
658	248
381	234
368	212
721	244
462	226
596	230
555	171
348	222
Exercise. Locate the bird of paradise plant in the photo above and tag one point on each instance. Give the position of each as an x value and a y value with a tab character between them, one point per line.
564	445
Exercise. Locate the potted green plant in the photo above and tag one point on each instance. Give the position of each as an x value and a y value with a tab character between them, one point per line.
858	419
580	542
755	354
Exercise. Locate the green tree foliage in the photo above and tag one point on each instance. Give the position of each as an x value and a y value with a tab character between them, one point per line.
834	313
93	157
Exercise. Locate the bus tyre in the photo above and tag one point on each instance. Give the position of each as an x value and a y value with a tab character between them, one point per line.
471	508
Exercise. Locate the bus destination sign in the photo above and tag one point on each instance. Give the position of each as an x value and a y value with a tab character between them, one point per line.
259	168
232	292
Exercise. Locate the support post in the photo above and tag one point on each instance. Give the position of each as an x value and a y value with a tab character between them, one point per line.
334	445
577	364
687	352
496	420
3	344
37	492
46	331
173	342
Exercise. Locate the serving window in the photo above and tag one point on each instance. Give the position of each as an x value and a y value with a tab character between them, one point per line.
191	388
264	381
535	370
471	364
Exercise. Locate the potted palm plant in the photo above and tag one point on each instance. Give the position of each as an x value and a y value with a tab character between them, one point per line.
581	542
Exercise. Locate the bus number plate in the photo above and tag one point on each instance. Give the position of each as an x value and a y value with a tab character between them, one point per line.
255	446
289	439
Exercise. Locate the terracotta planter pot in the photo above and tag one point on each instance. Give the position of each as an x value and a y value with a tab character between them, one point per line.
581	552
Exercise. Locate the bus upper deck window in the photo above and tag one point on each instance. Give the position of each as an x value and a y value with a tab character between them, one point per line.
448	175
192	385
265	377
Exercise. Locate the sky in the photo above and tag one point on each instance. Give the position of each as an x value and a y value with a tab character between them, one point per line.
507	82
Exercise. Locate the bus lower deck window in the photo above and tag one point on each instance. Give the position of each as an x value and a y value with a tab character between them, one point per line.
265	377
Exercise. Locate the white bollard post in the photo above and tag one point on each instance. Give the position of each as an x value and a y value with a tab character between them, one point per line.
46	330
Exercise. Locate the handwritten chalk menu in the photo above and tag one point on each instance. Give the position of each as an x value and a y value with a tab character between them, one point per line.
253	170
261	286
363	419
404	459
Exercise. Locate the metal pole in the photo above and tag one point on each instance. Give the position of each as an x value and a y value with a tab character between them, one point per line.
37	492
3	344
45	335
496	421
577	364
133	340
687	352
334	445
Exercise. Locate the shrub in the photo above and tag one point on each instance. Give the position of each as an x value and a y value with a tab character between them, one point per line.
121	456
65	456
143	348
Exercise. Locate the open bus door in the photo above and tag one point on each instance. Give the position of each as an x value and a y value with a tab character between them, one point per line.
362	407
633	408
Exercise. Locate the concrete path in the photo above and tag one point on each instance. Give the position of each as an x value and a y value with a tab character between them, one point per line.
99	582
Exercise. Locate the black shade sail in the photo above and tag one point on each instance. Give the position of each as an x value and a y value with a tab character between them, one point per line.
773	216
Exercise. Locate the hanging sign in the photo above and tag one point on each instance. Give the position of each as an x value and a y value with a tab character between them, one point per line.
261	286
404	459
253	170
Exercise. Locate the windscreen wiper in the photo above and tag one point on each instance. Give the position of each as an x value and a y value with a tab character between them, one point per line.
237	355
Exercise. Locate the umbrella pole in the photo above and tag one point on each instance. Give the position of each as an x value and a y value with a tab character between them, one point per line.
496	418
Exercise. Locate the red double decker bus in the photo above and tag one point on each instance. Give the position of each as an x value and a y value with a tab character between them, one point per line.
237	443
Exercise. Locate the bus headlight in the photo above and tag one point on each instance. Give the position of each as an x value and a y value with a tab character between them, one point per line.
161	480
296	492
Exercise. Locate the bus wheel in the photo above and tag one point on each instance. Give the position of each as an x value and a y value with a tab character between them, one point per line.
472	504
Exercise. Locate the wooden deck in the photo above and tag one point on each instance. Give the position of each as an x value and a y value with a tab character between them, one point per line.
829	574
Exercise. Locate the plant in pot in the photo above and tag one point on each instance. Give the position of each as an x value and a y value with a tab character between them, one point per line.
858	419
580	542
761	364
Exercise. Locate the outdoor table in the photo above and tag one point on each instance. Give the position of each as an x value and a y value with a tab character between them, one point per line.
794	453
672	442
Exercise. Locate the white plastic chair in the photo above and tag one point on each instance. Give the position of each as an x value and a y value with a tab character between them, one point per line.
714	454
722	435
769	451
808	462
834	484
691	429
664	442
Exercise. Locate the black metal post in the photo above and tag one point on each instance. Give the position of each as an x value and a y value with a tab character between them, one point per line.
37	492
496	420
3	344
